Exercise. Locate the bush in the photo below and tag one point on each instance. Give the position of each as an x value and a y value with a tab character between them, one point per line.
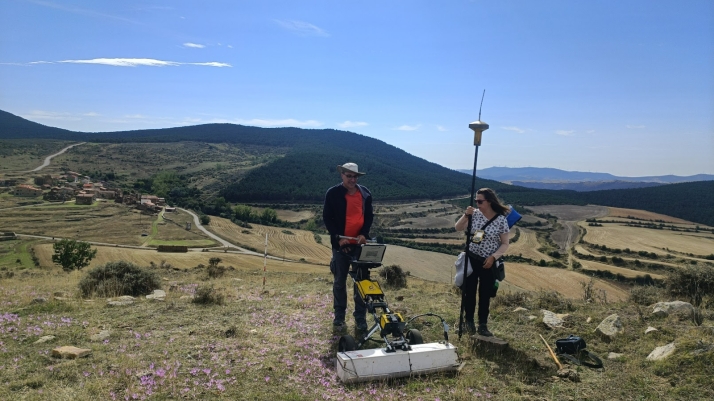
118	278
694	283
511	299
646	295
215	271
394	276
553	301
207	295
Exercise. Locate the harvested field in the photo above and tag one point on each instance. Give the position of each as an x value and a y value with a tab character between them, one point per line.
566	282
650	240
644	215
431	266
430	221
435	240
428	206
627	273
581	250
285	243
527	246
527	218
187	260
572	212
293	216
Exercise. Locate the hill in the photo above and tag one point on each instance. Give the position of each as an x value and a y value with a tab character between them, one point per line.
530	175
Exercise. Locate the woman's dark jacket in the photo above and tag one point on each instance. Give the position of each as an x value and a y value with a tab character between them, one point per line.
334	212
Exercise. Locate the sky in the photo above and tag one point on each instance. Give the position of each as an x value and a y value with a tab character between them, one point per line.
618	86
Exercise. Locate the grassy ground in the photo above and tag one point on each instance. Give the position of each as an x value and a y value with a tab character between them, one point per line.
276	343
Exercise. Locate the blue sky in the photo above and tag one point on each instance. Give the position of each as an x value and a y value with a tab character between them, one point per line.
624	87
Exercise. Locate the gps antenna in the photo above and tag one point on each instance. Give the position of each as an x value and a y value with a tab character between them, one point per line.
479	107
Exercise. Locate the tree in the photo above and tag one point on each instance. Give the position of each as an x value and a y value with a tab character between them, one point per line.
73	255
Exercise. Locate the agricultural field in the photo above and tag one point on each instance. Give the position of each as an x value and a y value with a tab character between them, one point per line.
644	215
650	240
284	243
572	212
589	265
187	260
527	246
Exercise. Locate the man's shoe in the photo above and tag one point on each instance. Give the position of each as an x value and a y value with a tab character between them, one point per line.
483	331
338	322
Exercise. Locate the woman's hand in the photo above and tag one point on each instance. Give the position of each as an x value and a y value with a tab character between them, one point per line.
469	210
489	262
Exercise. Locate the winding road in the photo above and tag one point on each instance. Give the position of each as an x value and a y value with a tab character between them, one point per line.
48	159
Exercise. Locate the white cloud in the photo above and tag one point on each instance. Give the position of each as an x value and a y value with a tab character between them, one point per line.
135	116
408	127
82	11
352	124
91	114
302	28
194	45
564	132
514	129
134	62
634	126
441	129
51	115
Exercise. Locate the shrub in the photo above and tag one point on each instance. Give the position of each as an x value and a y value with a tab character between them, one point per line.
553	301
511	299
394	276
645	295
215	271
118	278
207	295
695	283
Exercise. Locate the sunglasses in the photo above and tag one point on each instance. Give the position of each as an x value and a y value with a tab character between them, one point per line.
351	176
480	201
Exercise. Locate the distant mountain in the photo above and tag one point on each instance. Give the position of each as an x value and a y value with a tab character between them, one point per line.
551	178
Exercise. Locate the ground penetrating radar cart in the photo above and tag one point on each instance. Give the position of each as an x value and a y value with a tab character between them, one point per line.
404	352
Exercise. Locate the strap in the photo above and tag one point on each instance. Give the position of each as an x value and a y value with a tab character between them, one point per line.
489	222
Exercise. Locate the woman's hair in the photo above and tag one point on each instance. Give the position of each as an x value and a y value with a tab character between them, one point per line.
490	195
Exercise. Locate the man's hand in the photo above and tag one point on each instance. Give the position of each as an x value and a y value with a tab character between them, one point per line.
361	239
344	242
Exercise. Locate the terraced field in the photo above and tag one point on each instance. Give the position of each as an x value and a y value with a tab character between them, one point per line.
628	273
527	246
650	240
291	244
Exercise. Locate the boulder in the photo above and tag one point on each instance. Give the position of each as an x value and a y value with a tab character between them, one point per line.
662	352
664	309
70	352
121	301
553	320
610	327
158	295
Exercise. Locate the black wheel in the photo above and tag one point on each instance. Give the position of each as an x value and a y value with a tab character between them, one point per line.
347	343
414	337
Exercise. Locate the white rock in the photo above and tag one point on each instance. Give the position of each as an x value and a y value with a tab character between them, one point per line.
610	327
614	355
663	309
70	352
662	352
44	339
650	329
520	309
101	336
121	301
532	317
551	320
588	320
158	295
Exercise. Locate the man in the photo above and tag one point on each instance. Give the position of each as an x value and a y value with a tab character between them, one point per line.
347	212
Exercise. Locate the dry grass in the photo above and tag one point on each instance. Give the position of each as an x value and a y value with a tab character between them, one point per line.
571	212
644	215
650	240
277	343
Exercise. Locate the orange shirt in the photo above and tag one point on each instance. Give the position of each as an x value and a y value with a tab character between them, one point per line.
355	218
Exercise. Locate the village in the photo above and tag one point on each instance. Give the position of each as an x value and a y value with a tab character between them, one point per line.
72	186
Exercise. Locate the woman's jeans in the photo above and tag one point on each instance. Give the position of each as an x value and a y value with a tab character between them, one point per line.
483	280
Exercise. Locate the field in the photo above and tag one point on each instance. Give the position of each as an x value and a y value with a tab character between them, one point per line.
650	240
571	212
19	155
644	215
527	246
291	244
627	273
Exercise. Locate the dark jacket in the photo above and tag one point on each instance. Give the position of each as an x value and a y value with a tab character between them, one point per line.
334	212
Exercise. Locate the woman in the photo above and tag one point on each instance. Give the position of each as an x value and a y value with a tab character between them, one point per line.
488	244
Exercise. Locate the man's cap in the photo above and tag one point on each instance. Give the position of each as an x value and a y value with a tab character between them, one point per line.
349	167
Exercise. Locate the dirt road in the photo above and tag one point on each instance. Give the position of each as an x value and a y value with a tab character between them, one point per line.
48	159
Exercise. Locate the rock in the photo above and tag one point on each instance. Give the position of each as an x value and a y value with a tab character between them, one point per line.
39	300
610	327
650	329
664	309
186	297
532	317
614	355
552	320
588	320
44	339
569	374
101	336
662	352
520	309
158	295
121	301
70	352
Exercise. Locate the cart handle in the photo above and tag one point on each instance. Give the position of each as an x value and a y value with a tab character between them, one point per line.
370	241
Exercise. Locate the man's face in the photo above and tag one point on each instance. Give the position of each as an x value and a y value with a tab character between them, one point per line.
349	180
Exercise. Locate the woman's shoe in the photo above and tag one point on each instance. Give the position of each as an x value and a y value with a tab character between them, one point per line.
483	331
470	327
